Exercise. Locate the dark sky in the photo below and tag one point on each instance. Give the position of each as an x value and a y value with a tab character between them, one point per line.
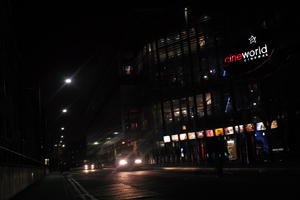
57	39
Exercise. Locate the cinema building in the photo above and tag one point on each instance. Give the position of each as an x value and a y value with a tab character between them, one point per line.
211	89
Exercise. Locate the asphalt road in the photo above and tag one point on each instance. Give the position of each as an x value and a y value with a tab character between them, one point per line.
182	183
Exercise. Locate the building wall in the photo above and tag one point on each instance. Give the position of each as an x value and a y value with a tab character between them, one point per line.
189	89
20	136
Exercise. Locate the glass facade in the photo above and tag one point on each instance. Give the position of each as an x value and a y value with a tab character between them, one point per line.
201	108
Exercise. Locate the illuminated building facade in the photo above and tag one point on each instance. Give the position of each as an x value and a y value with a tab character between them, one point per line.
212	89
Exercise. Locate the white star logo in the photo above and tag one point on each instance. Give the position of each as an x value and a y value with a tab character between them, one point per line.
252	39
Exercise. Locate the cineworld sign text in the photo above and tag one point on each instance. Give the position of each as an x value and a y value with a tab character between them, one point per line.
260	52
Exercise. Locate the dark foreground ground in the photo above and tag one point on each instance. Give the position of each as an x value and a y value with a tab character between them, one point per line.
165	183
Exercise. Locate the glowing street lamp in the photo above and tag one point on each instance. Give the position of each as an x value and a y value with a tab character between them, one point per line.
68	81
64	110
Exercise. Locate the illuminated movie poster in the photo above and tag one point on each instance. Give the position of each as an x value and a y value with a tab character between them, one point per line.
260	126
183	136
209	133
167	139
249	127
200	134
229	130
241	127
274	124
236	128
175	138
219	131
191	135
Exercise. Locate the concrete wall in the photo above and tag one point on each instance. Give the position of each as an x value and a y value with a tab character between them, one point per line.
15	179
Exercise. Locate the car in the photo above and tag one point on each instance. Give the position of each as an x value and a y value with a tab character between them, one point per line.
129	162
89	166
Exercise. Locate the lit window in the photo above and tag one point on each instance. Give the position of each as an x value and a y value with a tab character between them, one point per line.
128	70
202	41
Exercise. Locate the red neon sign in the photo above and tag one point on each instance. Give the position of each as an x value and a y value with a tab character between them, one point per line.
254	54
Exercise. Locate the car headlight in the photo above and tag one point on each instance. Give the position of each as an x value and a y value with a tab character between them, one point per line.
92	166
137	161
123	162
86	167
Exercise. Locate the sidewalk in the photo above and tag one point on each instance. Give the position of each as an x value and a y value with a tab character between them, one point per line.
53	186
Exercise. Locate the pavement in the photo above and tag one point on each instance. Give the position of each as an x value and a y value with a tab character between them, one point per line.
51	187
74	185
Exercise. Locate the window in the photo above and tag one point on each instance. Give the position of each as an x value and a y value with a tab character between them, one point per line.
128	70
183	103
216	103
176	109
228	103
200	106
208	103
167	112
191	107
205	68
157	115
201	41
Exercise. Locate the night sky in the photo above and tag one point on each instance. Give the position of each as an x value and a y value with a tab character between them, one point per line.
80	39
58	39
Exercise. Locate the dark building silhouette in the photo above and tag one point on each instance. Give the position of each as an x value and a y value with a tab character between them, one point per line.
21	139
215	74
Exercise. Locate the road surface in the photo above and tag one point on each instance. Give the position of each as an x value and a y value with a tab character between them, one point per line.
181	183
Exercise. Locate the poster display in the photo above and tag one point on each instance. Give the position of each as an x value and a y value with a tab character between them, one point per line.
209	133
167	139
260	126
175	138
191	135
183	136
229	130
200	134
250	127
219	131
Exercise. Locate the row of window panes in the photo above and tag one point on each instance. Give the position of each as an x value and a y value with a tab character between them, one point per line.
176	49
182	106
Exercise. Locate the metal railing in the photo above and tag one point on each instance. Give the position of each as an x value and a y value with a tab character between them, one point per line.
9	157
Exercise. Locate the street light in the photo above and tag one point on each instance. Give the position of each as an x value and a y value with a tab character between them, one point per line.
64	110
68	81
62	128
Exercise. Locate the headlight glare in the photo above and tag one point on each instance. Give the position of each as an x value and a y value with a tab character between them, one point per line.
123	162
137	161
